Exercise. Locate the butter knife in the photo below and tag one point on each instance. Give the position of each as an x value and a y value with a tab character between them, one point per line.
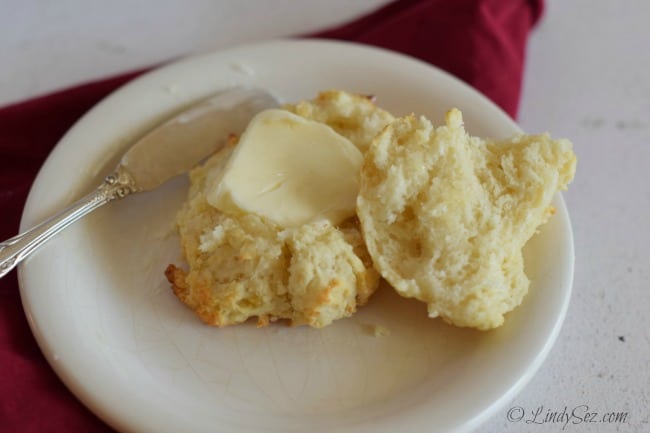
168	150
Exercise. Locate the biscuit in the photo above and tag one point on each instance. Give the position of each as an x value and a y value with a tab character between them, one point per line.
243	266
445	216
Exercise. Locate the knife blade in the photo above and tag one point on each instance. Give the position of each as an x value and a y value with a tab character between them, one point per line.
180	143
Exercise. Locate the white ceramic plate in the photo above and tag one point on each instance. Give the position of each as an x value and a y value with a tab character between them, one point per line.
109	325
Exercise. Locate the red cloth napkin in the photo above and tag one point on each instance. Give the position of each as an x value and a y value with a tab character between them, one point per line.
480	41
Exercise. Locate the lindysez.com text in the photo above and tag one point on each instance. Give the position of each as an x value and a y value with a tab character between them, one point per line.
566	416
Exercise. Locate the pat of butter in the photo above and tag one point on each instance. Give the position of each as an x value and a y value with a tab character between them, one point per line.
290	170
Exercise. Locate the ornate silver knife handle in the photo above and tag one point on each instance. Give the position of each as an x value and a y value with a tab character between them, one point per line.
117	185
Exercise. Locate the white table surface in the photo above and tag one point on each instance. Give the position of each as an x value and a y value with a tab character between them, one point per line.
587	78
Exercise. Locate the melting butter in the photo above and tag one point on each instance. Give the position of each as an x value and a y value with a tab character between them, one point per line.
290	170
